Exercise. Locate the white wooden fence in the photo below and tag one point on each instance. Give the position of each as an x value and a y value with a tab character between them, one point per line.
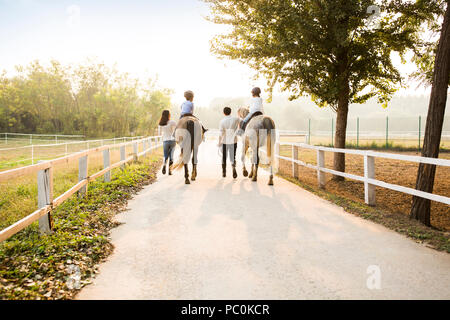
34	148
46	203
369	169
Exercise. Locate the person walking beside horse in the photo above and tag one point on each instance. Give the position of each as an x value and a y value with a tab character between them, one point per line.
228	140
167	129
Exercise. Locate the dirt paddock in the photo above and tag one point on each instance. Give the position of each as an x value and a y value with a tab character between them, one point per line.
392	171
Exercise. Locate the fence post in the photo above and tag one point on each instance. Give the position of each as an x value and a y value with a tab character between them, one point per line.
6	138
369	173
122	155
32	154
45	197
82	173
31	139
135	152
320	164
56	139
106	164
66	148
294	164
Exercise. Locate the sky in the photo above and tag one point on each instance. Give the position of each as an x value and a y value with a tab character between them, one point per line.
147	38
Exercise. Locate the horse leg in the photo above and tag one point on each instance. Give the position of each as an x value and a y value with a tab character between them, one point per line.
244	151
194	164
271	176
251	171
255	175
186	174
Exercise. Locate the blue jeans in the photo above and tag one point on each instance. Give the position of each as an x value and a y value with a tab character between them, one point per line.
169	148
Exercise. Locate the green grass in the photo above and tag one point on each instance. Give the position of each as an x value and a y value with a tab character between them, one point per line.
34	266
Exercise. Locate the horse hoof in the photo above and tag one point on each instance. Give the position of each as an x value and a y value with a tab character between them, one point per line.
270	183
245	173
254	179
187	181
192	178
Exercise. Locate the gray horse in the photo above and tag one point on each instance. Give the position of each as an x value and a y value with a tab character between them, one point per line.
260	132
188	135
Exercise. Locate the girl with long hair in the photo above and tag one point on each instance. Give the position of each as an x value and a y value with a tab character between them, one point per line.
167	129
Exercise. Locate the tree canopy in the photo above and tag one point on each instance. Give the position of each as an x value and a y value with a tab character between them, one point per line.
90	99
316	47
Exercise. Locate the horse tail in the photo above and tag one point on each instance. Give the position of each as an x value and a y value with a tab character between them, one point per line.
179	164
190	129
269	125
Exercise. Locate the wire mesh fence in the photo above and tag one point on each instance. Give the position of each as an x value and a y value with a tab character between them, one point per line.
402	132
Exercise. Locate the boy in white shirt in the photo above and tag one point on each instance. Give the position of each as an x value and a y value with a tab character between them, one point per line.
256	108
187	107
228	140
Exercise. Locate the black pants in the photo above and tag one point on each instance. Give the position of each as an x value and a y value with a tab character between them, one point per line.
229	149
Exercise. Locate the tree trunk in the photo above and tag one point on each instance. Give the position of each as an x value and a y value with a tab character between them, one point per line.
341	117
420	208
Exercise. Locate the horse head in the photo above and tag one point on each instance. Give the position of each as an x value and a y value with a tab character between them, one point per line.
243	112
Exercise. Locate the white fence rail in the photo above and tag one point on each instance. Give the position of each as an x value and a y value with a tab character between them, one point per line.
369	169
31	150
46	203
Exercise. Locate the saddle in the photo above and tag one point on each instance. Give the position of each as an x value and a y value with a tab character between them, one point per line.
244	124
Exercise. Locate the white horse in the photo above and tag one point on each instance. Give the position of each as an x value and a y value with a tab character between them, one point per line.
259	132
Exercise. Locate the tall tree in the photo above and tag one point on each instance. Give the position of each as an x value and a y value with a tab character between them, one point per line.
321	48
420	209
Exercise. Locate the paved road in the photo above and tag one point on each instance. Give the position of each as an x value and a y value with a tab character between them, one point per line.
224	239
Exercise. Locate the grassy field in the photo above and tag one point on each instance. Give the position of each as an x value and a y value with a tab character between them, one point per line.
19	153
18	197
57	266
392	171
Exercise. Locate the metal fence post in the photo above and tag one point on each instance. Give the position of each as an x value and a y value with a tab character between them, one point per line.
357	132
45	198
106	164
309	131
6	138
294	164
122	156
332	131
369	173
32	154
387	130
320	164
420	127
82	173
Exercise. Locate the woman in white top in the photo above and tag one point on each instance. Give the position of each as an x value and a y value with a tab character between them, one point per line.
167	129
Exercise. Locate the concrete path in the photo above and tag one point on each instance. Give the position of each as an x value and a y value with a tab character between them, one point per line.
224	239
